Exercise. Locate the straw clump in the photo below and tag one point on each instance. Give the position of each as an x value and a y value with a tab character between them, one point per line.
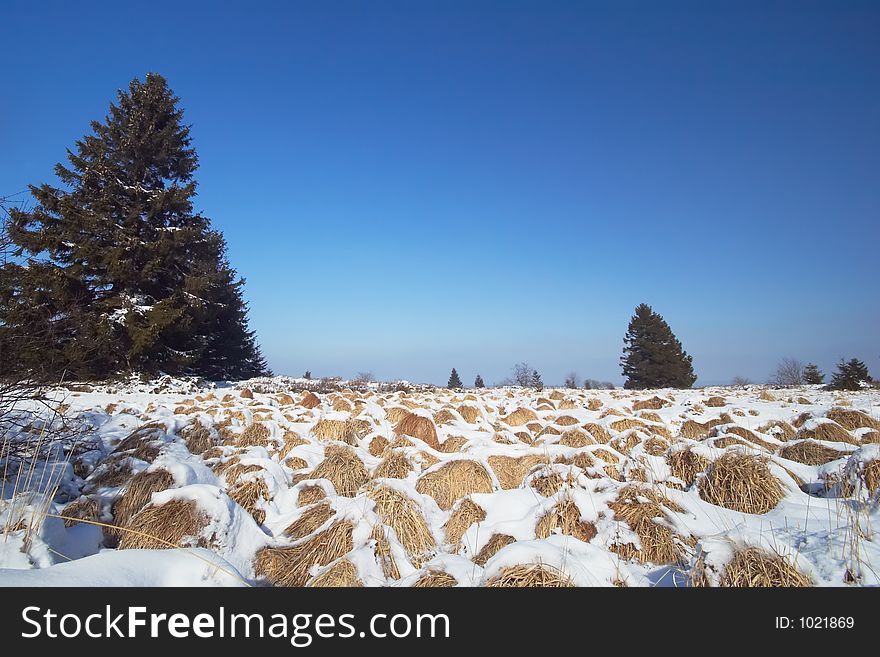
177	523
466	514
342	574
741	482
310	400
83	508
531	576
827	431
754	568
435	579
519	417
309	495
810	452
249	493
402	514
453	481
289	566
256	434
470	414
137	495
686	464
852	419
395	465
491	548
419	427
310	520
197	438
510	470
655	403
565	518
641	510
343	468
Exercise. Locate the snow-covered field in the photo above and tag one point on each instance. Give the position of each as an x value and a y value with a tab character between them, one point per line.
254	484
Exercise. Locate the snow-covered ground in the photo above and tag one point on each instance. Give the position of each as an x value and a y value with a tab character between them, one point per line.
602	487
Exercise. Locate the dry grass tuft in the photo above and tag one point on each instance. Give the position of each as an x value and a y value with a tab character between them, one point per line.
628	423
810	453
782	430
292	440
444	416
828	431
694	430
568	405
342	405
870	437
766	396
511	470
754	568
435	579
310	400
248	494
343	468
519	417
177	523
378	445
470	413
716	402
197	438
548	484
565	420
453	481
403	516
453	444
741	482
687	464
289	566
310	520
256	434
594	404
655	403
851	419
137	495
658	544
309	495
395	465
341	430
419	427
656	446
383	554
575	438
565	517
531	576
466	514
599	433
342	574
495	543
83	508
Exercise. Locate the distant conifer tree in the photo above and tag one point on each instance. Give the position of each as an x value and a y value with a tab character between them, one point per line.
536	381
812	375
120	273
652	356
850	375
478	382
454	380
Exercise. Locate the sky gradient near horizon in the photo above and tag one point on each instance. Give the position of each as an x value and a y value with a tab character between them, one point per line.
414	186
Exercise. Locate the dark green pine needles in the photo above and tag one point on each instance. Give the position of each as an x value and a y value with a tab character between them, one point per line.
652	356
116	272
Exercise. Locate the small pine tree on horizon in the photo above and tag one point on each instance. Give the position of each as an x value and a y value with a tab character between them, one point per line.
478	382
115	271
813	375
454	380
850	375
536	381
652	356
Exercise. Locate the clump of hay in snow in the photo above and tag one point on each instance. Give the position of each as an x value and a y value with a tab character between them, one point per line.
197	438
641	510
575	438
519	417
342	430
289	566
343	468
778	428
655	403
466	514
310	520
444	416
310	400
851	419
470	414
547	484
256	434
810	452
753	568
594	404
435	579
402	514
566	518
453	444
531	576
599	433
378	445
249	493
137	495
510	470
741	482
395	465
309	495
83	508
686	464
176	523
454	480
419	427
828	431
492	546
716	401
342	574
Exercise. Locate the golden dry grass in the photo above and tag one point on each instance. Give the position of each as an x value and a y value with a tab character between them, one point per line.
827	431
741	482
309	495
342	574
655	403
343	468
810	453
175	523
444	416
403	516
548	484
310	400
310	520
687	464
383	554
289	566
754	568
453	481
340	430
565	518
256	434
641	509
248	494
137	495
83	508
510	471
520	417
197	438
594	404
395	465
599	433
470	413
491	548
530	576
435	579
466	514
575	438
378	445
453	444
416	426
852	419
715	402
782	430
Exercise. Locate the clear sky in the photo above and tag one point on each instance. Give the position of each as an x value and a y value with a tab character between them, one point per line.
411	186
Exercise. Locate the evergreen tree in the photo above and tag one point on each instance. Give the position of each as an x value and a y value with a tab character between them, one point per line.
454	380
850	375
536	381
478	382
652	356
813	375
120	273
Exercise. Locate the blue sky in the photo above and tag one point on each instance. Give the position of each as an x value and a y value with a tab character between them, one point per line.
412	186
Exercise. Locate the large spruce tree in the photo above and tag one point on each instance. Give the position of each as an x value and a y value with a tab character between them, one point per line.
115	271
652	356
850	375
